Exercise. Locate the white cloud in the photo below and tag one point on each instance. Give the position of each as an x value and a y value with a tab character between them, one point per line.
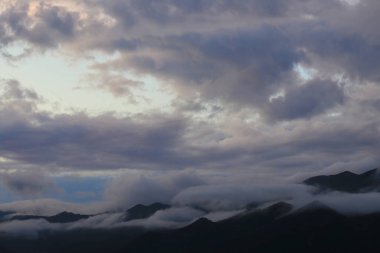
235	197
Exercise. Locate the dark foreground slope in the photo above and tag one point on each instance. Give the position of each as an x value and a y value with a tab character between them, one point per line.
311	230
78	240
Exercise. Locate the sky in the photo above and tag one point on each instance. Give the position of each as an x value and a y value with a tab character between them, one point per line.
118	102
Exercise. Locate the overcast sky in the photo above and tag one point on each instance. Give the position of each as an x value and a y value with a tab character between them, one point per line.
99	98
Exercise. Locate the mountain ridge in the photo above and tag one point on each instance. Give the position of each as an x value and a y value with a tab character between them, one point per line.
140	211
346	181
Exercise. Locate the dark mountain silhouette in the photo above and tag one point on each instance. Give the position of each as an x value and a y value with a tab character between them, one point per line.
136	212
314	228
206	236
201	223
27	217
143	211
276	228
347	182
4	214
63	217
314	205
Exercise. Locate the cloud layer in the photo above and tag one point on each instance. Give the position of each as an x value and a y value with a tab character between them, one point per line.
257	90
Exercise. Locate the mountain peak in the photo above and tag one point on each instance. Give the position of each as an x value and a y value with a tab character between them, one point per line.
64	217
64	213
346	181
140	211
199	224
347	173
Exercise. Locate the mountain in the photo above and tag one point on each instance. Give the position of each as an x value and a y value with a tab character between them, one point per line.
142	211
314	228
312	206
63	217
26	217
136	212
206	236
347	182
4	214
268	228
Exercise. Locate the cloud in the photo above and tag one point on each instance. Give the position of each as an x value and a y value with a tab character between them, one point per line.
108	220
223	201
157	141
18	98
240	107
50	207
26	228
32	228
27	183
242	53
222	215
80	141
147	188
312	98
168	218
352	204
14	90
45	26
235	197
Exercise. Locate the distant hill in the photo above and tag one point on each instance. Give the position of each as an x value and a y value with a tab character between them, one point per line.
143	211
347	182
63	217
4	214
136	212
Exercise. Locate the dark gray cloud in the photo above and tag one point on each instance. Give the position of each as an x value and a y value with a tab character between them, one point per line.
244	52
12	89
244	66
27	183
244	63
167	12
311	98
78	141
50	26
158	141
17	98
351	54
